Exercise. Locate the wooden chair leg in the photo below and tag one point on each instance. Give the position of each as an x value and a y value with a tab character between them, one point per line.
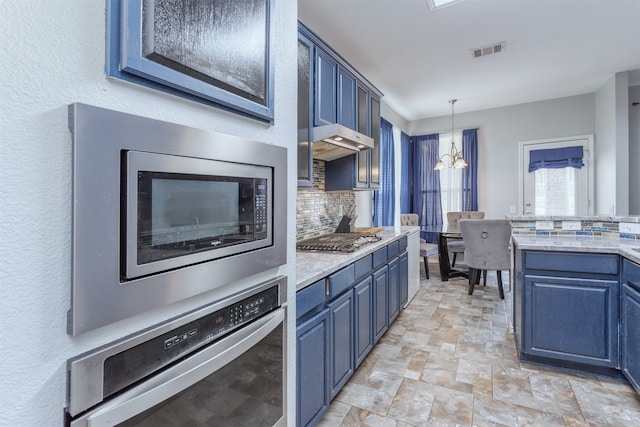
484	280
426	266
500	289
453	262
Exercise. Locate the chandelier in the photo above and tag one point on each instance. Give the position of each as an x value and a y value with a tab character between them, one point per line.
455	157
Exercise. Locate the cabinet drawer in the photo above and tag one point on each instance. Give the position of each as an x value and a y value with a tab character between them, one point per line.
379	257
363	267
310	297
402	244
631	274
571	262
392	250
341	280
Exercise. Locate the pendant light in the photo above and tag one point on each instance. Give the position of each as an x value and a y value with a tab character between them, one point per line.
455	157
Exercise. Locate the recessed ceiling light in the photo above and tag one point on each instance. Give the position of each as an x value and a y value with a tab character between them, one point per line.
438	4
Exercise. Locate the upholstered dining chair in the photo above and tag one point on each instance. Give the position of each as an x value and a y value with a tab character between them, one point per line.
426	249
487	244
456	246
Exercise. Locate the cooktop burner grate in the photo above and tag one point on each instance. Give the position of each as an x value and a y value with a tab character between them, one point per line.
337	242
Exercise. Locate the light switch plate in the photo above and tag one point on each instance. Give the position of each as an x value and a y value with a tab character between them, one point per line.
629	227
572	225
544	225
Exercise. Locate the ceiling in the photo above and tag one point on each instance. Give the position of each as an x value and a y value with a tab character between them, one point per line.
420	58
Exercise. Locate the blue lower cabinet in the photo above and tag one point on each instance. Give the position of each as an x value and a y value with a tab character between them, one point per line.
312	353
339	320
380	303
394	290
571	319
341	341
630	323
363	305
403	260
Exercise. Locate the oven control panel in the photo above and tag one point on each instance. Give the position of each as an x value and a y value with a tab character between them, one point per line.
176	343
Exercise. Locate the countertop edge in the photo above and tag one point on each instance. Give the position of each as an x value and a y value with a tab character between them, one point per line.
628	250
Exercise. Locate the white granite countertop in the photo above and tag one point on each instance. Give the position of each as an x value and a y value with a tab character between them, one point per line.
629	249
313	266
593	218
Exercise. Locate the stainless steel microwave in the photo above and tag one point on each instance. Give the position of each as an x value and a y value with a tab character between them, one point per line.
163	212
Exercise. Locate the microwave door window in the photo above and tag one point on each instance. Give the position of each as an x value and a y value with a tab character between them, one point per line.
183	214
193	211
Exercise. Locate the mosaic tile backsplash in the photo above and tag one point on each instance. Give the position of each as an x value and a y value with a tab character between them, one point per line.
317	211
597	228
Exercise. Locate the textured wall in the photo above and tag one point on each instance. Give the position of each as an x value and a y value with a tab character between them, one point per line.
53	55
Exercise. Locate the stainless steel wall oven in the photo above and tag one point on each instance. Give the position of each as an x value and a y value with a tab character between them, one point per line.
163	212
221	365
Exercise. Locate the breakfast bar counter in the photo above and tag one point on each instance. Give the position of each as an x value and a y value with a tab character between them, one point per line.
629	249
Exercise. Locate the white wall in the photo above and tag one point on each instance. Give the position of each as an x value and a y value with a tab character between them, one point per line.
634	150
53	55
499	132
612	146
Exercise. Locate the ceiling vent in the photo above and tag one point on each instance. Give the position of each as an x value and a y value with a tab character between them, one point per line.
488	50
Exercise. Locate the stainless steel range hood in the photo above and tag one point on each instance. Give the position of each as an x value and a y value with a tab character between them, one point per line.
331	142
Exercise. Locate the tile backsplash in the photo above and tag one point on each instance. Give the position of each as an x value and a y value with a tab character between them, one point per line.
584	227
317	211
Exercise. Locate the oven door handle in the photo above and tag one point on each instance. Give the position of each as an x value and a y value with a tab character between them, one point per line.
181	376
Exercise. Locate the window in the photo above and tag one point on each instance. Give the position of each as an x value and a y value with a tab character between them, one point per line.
561	191
450	179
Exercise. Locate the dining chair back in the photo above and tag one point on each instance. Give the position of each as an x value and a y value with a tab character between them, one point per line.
487	244
453	218
409	219
456	246
426	249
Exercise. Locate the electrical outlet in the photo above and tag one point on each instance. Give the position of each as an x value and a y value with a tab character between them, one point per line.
512	209
544	225
572	225
629	227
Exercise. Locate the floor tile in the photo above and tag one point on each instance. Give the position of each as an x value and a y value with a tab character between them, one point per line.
450	359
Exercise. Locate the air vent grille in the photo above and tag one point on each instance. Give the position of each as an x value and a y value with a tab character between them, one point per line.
488	50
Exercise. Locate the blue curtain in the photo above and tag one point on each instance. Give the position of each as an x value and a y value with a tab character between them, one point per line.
384	198
426	183
405	173
556	158
470	173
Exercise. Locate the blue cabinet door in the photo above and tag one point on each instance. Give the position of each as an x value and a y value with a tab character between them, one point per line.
325	89
571	319
363	303
630	323
341	341
380	303
403	260
346	99
305	111
312	369
394	289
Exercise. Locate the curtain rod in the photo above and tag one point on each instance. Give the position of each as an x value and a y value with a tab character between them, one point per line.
448	130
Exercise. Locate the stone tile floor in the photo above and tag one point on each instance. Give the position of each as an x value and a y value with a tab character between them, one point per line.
450	359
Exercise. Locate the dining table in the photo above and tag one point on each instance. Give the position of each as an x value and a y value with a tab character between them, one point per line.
445	233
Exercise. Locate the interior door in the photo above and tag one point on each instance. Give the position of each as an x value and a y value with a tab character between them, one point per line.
566	191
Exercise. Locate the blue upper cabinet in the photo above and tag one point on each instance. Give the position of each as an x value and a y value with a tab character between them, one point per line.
325	89
346	98
305	110
342	95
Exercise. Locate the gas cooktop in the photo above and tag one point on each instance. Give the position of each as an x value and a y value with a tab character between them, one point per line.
337	242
